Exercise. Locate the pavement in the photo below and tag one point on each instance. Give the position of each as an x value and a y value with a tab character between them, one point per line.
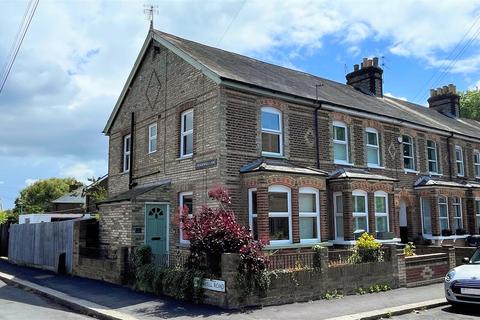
17	304
444	313
109	301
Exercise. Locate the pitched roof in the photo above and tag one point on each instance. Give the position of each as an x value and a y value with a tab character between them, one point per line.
223	66
135	192
427	181
263	164
76	196
350	173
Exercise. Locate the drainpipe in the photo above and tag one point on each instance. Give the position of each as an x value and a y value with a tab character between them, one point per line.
315	119
449	154
132	134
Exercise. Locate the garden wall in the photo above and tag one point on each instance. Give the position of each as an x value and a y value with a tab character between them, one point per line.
428	268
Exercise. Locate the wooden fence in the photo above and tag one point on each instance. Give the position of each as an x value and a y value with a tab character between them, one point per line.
47	245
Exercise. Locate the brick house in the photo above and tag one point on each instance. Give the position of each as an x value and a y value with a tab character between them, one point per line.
306	160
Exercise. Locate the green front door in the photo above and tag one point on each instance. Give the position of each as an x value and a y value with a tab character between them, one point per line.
156	219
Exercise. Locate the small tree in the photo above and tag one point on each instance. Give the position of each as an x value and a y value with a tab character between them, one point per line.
470	104
213	231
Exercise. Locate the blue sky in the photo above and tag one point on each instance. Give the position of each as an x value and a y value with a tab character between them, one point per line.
77	56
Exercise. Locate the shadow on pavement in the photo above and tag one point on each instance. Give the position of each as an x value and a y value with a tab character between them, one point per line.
467	310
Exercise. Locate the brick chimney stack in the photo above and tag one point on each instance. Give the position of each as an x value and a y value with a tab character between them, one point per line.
445	100
367	77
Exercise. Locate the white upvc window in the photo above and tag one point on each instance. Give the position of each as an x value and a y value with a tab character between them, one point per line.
432	157
186	134
408	153
360	212
477	214
459	161
309	215
252	212
152	138
373	147
127	145
340	143
426	210
279	214
338	210
476	163
381	211
457	210
443	213
272	132
185	199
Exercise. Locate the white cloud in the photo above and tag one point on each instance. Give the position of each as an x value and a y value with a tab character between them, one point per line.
30	181
388	94
82	171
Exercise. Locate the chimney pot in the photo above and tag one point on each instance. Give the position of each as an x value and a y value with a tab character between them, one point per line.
364	63
369	63
375	61
433	92
445	100
355	67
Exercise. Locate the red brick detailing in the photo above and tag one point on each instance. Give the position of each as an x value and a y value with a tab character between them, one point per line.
311	182
371	212
281	180
271	103
341	117
428	268
295	217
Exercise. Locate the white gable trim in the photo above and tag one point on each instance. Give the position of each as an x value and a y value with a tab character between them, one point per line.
182	54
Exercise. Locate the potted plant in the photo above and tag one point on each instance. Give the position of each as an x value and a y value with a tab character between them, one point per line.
446	232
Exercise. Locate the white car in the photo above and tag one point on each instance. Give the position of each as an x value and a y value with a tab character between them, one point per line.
462	284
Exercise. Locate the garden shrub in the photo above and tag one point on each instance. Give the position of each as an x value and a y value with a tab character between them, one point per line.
367	249
409	250
317	259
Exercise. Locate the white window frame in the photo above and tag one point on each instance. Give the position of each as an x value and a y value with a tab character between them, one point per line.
190	214
372	146
288	214
459	162
412	148
127	149
359	193
439	211
308	190
381	194
457	205
342	142
251	215
423	214
271	131
337	214
184	133
476	163
152	138
477	215
436	158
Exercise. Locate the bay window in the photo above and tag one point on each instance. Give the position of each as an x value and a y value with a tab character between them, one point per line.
185	202
457	210
459	161
279	214
186	134
373	147
338	209
272	139
408	153
360	216
309	215
381	211
443	213
340	143
252	212
426	210
476	163
432	157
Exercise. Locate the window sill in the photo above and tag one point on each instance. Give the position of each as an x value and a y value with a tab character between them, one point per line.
190	156
454	237
273	155
295	245
151	152
435	174
374	166
343	163
411	171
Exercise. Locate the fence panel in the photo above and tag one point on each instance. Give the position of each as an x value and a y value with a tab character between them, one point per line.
41	244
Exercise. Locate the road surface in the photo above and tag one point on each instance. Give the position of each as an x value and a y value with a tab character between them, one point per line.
444	313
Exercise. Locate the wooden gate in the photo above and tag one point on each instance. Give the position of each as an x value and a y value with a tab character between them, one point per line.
47	245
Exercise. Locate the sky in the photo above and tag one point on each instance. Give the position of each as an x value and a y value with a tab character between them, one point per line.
77	56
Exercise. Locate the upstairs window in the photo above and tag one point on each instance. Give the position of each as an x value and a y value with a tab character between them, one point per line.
309	214
432	156
360	216
127	145
457	210
185	201
443	213
373	148
340	142
152	138
459	161
408	153
186	134
272	140
476	163
381	211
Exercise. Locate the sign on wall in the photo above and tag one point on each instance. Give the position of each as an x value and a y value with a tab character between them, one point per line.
210	284
205	164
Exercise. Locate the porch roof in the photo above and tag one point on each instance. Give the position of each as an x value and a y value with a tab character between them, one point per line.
427	181
349	173
274	165
135	192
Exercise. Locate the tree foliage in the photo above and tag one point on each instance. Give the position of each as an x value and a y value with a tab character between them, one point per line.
36	197
470	104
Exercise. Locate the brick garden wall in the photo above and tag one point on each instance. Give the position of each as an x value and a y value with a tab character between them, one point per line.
426	269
